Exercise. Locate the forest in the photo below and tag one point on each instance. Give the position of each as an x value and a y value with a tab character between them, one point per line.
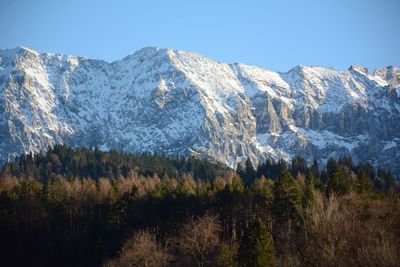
86	207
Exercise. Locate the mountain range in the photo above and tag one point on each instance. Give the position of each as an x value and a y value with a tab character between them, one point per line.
181	103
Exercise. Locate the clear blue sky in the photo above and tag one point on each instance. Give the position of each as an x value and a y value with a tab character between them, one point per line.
274	34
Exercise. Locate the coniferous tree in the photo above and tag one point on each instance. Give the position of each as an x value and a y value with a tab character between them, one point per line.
288	195
257	246
315	169
263	187
309	193
363	184
385	180
299	164
338	182
250	173
331	166
227	255
347	161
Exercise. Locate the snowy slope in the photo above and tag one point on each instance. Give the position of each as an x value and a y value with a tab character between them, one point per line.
176	102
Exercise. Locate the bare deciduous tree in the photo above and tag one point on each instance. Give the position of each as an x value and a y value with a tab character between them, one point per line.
199	240
141	250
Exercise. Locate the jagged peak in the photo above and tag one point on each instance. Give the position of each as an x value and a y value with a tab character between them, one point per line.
21	50
27	49
148	51
17	51
151	51
391	74
359	69
297	68
386	69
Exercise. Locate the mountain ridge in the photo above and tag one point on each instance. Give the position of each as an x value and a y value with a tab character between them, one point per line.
175	102
376	71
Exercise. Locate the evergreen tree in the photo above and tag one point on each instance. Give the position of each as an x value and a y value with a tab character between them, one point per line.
250	173
280	167
331	166
348	162
315	169
367	168
288	197
363	183
309	193
263	187
227	255
256	247
299	164
385	180
338	182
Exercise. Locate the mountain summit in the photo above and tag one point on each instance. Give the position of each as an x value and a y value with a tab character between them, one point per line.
182	103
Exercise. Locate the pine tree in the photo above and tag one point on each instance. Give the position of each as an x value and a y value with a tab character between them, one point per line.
315	169
299	164
256	247
386	180
288	195
331	166
363	183
286	208
227	255
250	173
337	182
309	193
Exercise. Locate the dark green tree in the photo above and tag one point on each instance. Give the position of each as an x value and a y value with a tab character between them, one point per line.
385	180
338	182
309	193
286	209
227	255
363	183
315	169
250	172
331	166
288	196
256	247
299	164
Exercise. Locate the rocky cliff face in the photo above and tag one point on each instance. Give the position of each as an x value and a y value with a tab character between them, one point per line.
177	102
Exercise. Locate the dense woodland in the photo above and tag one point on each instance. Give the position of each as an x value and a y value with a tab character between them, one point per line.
85	207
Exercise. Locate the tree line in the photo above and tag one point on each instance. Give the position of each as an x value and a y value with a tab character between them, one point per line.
86	207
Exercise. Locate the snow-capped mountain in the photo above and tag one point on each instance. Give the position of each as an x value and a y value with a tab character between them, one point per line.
176	102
